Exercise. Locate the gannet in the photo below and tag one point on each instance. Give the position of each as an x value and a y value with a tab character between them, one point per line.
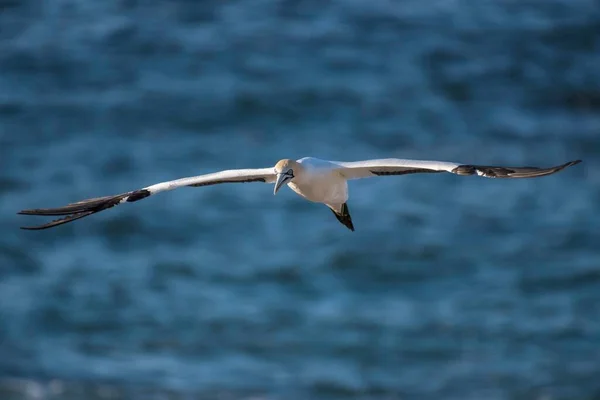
316	180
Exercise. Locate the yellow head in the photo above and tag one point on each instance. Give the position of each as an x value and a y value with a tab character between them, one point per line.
286	170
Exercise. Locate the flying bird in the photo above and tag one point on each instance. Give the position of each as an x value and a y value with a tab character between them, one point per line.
316	180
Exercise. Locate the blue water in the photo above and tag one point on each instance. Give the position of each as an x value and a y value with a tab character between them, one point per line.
450	288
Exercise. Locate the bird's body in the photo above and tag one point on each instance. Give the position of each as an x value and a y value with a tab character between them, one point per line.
321	182
318	181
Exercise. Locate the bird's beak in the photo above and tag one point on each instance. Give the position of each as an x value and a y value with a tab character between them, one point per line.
281	179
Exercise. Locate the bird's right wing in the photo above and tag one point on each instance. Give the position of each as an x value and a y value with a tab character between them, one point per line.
80	209
396	166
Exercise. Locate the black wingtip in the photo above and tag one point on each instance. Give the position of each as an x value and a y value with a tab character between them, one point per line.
30	228
59	221
568	164
26	212
510	172
80	209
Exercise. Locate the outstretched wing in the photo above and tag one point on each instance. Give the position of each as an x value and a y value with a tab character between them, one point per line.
395	166
80	209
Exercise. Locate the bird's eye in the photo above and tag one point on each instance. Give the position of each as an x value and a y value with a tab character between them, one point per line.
290	172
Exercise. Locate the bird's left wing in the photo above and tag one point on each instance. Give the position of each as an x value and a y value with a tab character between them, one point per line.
80	209
396	166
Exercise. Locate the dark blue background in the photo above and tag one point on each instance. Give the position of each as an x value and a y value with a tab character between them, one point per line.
451	287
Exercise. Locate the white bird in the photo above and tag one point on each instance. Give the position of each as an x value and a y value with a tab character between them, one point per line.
316	180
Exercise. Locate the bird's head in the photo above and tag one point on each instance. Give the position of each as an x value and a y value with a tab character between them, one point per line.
286	171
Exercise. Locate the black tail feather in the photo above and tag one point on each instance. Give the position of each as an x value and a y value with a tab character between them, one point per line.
344	216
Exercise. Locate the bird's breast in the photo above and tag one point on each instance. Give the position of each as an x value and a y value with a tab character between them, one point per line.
322	189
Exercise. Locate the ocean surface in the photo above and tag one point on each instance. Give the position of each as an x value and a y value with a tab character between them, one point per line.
451	287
